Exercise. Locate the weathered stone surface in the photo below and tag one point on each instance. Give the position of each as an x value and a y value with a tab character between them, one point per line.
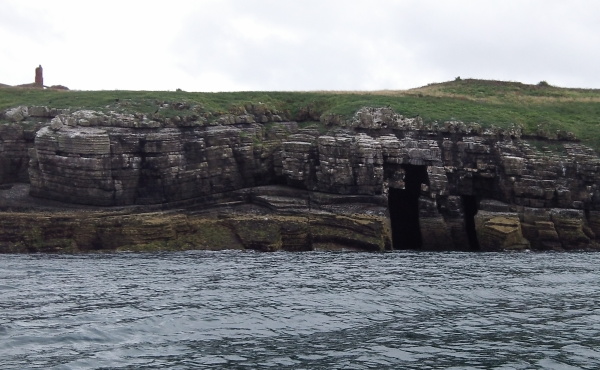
436	232
349	165
261	218
108	165
298	162
39	112
39	77
569	224
499	231
476	188
594	222
15	142
17	114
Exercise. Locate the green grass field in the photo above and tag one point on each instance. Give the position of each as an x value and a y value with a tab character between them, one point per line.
534	107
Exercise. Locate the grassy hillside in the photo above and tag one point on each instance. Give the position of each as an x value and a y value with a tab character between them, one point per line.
534	107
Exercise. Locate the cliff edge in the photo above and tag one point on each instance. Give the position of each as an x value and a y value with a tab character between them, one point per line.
257	179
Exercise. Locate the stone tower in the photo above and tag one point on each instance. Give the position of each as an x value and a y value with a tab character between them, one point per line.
39	76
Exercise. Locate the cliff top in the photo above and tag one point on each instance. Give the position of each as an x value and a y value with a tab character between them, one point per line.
539	109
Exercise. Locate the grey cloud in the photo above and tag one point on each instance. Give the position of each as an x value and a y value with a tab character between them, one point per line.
526	41
27	22
316	44
321	57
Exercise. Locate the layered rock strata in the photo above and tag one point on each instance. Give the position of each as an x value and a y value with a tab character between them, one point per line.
380	181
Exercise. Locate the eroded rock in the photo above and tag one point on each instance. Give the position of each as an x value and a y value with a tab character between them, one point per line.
473	189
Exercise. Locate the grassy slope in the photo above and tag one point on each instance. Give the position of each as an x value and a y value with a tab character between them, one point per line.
486	102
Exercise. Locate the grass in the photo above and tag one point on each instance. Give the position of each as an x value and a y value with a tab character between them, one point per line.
536	108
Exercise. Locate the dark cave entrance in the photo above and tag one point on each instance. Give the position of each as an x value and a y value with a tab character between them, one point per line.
403	205
470	206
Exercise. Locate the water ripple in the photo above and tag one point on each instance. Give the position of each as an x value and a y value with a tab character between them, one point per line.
318	310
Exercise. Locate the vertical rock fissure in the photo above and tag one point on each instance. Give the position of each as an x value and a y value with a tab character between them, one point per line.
403	206
470	210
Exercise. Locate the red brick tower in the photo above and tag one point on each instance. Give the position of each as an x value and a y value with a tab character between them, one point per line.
39	76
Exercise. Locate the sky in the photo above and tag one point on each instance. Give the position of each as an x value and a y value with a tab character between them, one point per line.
300	45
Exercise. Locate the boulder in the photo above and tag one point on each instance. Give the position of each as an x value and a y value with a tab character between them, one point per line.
17	114
499	231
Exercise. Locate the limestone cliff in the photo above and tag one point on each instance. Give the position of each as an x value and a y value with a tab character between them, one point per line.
257	180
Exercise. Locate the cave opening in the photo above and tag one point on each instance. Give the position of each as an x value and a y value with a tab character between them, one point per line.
470	206
403	206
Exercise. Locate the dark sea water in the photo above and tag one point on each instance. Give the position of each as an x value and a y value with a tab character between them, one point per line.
317	310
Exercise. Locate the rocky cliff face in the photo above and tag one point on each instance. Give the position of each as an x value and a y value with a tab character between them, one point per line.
16	137
381	181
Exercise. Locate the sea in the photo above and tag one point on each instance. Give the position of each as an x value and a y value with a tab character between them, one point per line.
300	310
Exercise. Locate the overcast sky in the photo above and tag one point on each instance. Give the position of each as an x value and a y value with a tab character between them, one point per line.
230	45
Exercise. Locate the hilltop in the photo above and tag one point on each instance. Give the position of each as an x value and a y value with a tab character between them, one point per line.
541	110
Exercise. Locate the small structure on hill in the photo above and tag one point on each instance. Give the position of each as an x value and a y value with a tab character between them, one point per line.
38	82
39	76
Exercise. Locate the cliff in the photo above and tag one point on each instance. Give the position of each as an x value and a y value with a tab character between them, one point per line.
255	178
